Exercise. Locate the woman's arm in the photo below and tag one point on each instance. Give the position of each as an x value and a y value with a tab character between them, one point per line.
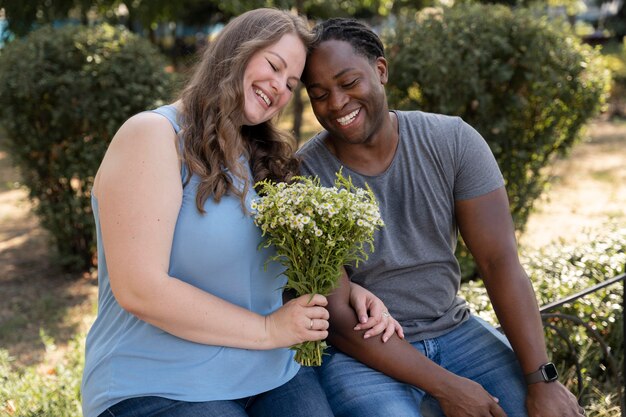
139	192
373	316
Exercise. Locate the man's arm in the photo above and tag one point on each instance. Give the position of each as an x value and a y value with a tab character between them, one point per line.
487	229
397	358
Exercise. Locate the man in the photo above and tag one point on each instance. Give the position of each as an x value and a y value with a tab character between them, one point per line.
433	176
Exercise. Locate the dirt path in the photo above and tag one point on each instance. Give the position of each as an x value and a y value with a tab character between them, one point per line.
35	294
589	188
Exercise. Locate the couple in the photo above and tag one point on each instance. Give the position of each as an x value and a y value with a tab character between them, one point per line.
190	323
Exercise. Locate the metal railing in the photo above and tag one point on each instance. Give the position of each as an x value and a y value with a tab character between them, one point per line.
550	318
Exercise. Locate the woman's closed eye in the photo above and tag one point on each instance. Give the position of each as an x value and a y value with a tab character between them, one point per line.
274	67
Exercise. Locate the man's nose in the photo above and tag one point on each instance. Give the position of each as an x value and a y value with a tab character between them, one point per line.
337	100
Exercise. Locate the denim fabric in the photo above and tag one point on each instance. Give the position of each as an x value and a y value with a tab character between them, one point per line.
302	396
474	350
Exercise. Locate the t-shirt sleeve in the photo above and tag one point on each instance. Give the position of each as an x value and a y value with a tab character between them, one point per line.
477	172
315	161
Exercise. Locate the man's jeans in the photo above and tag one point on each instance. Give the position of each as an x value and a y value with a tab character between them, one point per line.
474	350
302	396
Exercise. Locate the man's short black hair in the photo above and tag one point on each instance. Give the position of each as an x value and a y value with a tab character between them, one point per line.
363	40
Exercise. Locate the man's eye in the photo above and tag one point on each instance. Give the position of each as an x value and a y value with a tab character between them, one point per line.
351	83
318	97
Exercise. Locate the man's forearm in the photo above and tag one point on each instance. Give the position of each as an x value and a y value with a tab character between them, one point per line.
396	358
516	308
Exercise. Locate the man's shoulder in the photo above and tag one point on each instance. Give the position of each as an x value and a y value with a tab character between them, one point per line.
429	128
312	146
422	117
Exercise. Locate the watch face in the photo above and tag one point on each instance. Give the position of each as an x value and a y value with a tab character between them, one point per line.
549	371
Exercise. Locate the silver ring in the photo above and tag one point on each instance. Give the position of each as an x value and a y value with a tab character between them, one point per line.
385	314
311	325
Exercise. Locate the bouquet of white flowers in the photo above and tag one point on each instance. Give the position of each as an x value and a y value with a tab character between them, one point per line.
316	230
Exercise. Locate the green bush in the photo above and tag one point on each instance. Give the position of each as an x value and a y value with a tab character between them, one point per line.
526	84
43	391
615	55
563	269
63	94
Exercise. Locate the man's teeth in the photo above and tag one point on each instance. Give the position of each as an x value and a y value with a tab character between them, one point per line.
348	118
265	98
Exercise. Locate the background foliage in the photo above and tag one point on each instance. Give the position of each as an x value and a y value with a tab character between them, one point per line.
63	94
525	83
563	269
53	393
615	55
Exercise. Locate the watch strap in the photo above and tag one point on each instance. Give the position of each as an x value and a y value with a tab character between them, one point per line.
542	374
534	377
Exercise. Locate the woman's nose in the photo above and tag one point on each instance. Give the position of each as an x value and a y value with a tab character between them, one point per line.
278	85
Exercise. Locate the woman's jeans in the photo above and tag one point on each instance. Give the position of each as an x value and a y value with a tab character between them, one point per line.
474	350
302	396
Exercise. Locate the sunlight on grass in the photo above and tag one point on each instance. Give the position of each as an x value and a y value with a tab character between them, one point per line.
51	390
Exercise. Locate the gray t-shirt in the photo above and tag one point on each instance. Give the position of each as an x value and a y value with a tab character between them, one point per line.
439	159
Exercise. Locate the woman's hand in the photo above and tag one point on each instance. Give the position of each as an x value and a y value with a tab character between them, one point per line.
373	315
299	320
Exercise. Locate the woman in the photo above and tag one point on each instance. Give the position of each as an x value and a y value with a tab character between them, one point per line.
190	321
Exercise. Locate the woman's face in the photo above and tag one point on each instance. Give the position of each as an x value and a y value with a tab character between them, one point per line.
270	78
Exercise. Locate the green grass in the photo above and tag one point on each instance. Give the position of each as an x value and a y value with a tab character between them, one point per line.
605	175
53	391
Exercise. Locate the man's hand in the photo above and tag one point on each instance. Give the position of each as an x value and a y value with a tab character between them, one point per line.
550	400
461	397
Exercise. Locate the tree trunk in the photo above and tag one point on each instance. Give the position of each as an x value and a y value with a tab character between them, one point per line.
298	105
298	109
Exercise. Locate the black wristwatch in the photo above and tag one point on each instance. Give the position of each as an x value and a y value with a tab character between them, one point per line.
545	373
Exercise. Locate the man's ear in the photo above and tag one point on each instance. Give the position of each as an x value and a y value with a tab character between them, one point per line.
381	67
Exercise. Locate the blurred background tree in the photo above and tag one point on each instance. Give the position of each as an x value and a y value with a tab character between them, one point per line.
526	83
63	95
514	68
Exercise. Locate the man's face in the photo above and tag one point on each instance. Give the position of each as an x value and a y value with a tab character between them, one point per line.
346	91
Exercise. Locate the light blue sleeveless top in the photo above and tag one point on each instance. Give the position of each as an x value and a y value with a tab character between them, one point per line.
126	357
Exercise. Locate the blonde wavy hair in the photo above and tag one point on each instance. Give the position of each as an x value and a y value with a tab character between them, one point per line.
214	137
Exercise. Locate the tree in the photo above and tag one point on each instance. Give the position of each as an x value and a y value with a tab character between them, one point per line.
617	23
63	94
525	83
23	16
